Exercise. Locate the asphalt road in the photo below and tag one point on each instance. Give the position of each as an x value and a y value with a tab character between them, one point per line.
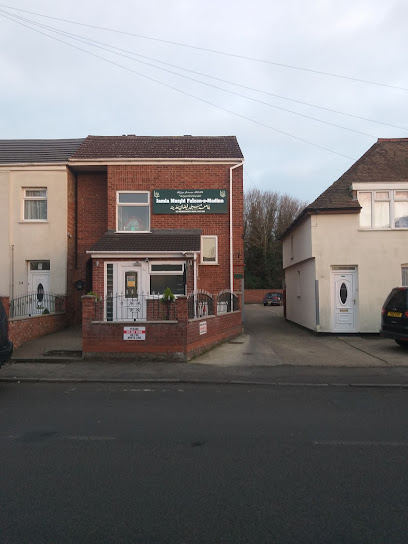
92	463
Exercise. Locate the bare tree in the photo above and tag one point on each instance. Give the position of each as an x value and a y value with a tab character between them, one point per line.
266	216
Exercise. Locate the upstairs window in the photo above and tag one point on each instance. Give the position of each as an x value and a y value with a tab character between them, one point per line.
404	274
384	209
35	204
133	211
209	250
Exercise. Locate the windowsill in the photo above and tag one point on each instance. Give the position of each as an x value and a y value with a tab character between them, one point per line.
132	231
209	264
33	221
383	229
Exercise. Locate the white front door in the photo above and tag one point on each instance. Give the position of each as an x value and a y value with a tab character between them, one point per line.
39	289
344	301
130	304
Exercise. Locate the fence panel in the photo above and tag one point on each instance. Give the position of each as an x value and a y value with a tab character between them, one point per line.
227	302
30	305
122	307
200	305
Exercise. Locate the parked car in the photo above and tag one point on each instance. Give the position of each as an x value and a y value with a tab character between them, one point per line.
394	316
272	299
6	347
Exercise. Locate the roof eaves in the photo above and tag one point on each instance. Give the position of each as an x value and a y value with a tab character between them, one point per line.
150	159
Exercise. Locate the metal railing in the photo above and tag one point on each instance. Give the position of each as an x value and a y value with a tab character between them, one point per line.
200	304
122	307
35	304
227	302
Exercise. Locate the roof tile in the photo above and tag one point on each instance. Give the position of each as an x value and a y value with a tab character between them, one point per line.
158	147
157	240
37	151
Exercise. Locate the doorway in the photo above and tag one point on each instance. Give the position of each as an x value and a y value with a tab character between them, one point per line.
38	282
344	289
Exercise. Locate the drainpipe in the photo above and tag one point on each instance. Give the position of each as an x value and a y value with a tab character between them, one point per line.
12	272
195	272
76	221
195	284
231	234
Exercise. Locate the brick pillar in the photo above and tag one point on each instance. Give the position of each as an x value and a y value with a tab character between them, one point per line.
182	309
88	315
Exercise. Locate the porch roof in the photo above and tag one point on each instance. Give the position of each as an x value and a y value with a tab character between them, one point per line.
157	240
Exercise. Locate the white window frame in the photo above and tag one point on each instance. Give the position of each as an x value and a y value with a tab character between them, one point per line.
34	199
392	199
132	204
404	275
206	236
179	272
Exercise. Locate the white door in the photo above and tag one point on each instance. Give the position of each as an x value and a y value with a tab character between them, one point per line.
39	289
130	304
344	297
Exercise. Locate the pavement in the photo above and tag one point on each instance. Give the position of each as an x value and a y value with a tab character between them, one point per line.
271	351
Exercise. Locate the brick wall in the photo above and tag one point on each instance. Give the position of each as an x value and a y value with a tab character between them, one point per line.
23	329
255	296
149	177
90	201
96	197
174	340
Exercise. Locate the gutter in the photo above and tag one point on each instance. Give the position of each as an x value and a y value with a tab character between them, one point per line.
130	160
135	254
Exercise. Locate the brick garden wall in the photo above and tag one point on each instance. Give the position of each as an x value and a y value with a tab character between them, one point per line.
23	329
255	296
173	340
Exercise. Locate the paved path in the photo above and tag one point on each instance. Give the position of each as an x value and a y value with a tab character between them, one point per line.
271	351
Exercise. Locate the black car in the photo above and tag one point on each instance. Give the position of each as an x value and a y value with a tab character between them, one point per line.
272	299
6	347
394	316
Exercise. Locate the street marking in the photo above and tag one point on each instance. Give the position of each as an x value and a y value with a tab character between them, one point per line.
90	437
360	443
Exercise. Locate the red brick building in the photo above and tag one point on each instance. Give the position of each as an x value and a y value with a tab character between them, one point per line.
150	213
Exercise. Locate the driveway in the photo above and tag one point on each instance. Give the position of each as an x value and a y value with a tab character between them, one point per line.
270	340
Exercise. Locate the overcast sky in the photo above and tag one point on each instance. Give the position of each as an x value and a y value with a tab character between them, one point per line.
52	90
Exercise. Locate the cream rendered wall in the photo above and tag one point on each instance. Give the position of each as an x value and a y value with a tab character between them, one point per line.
377	254
300	248
5	233
300	294
300	275
39	241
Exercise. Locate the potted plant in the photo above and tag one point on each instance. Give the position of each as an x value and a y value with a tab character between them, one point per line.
167	299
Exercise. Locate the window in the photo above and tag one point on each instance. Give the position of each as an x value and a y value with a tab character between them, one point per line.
404	274
298	285
163	275
35	204
209	250
133	211
384	209
39	265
